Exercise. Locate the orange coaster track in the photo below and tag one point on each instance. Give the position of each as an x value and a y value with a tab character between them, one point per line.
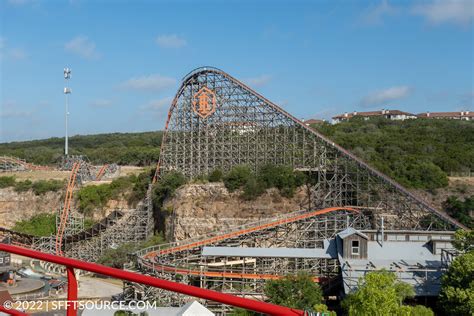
101	172
151	259
66	208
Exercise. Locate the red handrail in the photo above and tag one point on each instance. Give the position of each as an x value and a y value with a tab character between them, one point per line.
72	264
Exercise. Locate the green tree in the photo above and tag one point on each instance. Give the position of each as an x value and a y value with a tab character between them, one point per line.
464	240
457	288
379	293
237	177
417	153
295	291
460	209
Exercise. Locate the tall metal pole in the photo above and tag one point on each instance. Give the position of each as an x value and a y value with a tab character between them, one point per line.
67	76
66	142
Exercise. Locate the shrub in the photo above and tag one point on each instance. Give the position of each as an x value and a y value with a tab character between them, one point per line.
166	186
269	176
460	209
23	186
43	186
237	177
216	175
6	182
38	225
93	197
253	188
140	186
457	286
298	291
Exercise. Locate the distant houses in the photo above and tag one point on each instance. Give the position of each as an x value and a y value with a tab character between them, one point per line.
388	114
313	121
463	115
401	115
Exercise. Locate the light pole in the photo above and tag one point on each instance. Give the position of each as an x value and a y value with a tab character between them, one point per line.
67	76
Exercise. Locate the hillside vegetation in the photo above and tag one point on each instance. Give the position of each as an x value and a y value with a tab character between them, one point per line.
140	149
417	153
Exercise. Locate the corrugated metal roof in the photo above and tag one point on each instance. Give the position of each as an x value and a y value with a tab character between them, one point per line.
328	252
351	231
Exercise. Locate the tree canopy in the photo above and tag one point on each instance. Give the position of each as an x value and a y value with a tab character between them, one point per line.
457	287
417	153
380	293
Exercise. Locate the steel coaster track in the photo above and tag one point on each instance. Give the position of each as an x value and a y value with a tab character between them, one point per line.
150	259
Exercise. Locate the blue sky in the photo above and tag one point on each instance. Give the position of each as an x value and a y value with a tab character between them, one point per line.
314	58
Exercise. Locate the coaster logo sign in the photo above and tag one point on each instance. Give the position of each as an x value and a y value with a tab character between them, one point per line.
204	102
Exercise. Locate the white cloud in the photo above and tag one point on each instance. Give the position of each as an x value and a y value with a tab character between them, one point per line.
171	41
101	103
258	81
159	104
374	15
447	11
152	82
386	95
82	46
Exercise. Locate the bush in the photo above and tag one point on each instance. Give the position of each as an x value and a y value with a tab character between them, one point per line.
44	186
457	286
237	177
38	225
140	186
6	182
253	188
216	175
117	257
380	293
23	186
460	210
93	197
298	291
284	178
166	186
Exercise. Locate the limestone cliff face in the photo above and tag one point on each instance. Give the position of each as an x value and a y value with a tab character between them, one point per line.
197	209
20	206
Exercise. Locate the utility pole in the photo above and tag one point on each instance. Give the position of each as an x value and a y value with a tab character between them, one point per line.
67	76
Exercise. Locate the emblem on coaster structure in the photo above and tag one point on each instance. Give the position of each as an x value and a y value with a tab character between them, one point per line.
204	102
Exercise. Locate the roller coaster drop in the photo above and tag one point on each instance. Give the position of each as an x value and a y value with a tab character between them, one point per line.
217	122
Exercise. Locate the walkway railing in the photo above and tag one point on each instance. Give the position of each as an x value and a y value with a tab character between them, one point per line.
72	295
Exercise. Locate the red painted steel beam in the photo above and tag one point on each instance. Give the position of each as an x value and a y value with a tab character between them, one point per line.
71	292
227	299
12	311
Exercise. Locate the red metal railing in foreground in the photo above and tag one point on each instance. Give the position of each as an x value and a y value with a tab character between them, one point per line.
72	264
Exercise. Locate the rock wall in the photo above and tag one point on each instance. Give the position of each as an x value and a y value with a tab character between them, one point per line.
19	206
197	209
